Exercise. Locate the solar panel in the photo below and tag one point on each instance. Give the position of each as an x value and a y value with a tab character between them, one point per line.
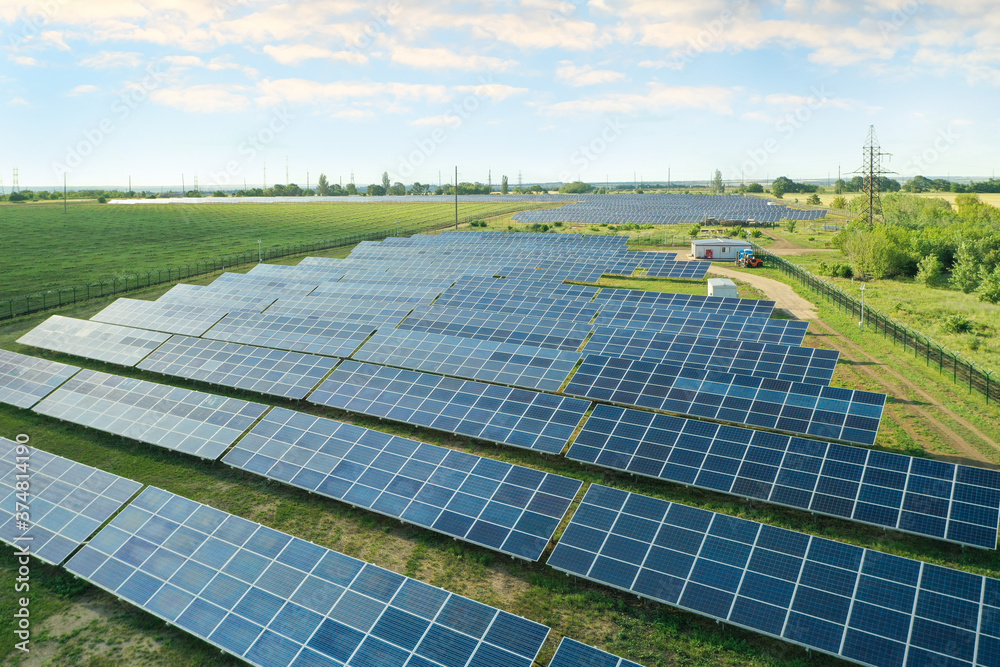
275	600
502	363
566	309
488	285
621	299
572	653
66	501
183	420
171	317
258	369
94	340
282	271
770	360
516	417
796	407
863	605
512	509
379	313
198	295
316	335
26	380
682	270
537	331
737	327
931	498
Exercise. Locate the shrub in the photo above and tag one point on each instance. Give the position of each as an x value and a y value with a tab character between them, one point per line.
838	202
929	269
965	272
102	200
989	288
957	324
756	234
790	226
813	199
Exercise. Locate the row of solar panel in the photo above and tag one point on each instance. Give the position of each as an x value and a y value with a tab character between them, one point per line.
955	503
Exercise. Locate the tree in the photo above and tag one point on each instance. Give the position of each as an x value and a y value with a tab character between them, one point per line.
839	186
928	269
418	188
218	193
694	230
17	196
965	270
576	187
790	226
351	189
397	189
755	187
989	289
385	182
813	199
375	190
322	186
838	202
717	187
778	187
503	185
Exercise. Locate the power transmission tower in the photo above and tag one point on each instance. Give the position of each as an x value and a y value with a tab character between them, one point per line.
196	184
15	186
518	178
3	193
871	170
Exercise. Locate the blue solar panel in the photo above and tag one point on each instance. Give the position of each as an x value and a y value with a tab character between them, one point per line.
168	316
863	605
770	360
523	330
509	508
931	498
94	340
300	333
502	363
26	380
796	407
572	653
736	327
625	299
516	417
274	600
65	501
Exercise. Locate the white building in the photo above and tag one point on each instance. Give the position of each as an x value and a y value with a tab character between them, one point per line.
722	287
718	248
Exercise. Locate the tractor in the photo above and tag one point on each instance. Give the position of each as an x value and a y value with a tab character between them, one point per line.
746	258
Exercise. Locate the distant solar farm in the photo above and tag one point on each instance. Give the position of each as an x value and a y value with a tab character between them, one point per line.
493	337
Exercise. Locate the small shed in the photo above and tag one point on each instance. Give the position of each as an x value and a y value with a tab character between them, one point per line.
722	287
718	248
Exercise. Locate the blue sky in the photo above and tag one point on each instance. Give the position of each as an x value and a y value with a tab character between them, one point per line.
557	90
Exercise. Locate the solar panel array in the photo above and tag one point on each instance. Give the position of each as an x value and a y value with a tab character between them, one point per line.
517	329
198	295
921	496
796	407
26	380
517	417
316	335
516	304
115	344
572	653
666	209
615	299
275	600
258	369
502	363
512	509
867	606
771	360
377	313
737	327
66	501
169	316
183	420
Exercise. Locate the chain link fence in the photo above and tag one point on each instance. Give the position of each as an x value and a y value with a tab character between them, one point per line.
962	371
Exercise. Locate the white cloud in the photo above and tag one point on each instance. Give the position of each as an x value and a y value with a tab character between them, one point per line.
659	98
203	98
496	92
437	121
19	102
303	91
25	61
660	64
293	54
84	89
570	74
109	59
353	114
441	58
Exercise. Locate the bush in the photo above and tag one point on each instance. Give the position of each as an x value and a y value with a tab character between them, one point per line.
838	202
965	273
790	226
813	199
756	234
957	324
929	269
695	230
100	200
989	288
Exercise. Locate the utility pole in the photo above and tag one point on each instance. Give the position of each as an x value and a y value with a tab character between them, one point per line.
183	187
129	185
872	171
456	197
65	194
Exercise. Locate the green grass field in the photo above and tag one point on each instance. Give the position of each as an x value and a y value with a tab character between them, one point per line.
45	249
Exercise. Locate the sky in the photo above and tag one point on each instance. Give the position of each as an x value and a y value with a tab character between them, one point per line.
542	90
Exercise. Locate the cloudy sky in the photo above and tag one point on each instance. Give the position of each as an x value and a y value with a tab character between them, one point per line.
555	90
